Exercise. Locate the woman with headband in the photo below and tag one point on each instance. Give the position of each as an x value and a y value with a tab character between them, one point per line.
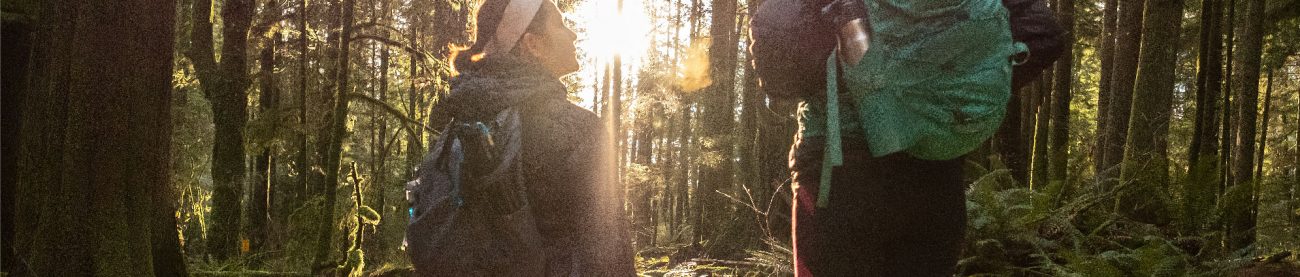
557	150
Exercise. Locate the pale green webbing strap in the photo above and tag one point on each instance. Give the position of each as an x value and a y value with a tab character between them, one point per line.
833	155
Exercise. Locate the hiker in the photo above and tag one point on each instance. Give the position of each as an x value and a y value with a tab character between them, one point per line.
893	93
520	183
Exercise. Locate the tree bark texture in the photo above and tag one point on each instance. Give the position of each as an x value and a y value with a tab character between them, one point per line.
1104	93
260	197
1146	161
1228	117
1040	132
1263	126
1246	86
1201	190
1128	32
1059	142
224	84
18	45
92	173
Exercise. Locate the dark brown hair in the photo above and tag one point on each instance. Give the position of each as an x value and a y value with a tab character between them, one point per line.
487	19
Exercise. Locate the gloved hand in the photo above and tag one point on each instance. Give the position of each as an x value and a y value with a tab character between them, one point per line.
839	12
847	18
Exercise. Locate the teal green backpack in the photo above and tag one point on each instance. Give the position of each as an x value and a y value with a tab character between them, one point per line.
934	83
936	79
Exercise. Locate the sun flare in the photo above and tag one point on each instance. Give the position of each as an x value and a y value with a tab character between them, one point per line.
609	32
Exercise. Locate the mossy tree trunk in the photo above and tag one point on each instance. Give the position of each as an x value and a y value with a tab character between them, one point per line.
1062	89
224	84
1128	35
1145	167
1201	190
338	133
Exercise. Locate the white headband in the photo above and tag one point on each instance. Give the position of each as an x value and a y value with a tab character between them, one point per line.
514	21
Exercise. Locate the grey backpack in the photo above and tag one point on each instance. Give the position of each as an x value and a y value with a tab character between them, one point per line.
470	214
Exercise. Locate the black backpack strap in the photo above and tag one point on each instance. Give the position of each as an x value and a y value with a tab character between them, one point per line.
509	132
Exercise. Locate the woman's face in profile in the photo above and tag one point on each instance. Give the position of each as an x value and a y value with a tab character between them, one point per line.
555	46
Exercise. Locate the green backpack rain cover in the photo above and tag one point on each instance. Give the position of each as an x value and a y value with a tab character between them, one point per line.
935	81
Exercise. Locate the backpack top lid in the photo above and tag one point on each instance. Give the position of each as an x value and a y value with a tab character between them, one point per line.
790	48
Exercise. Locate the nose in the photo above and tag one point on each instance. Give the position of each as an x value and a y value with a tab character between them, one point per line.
569	34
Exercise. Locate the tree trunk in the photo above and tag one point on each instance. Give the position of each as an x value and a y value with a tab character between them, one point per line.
602	100
168	257
301	161
683	171
1146	161
1228	116
1059	144
1263	126
615	118
750	159
100	92
718	124
1246	84
36	172
379	177
1104	93
1124	72
224	84
1201	192
674	138
641	204
18	46
338	133
1009	141
260	199
1042	112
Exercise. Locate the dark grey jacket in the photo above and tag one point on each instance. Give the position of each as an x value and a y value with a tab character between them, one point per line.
567	166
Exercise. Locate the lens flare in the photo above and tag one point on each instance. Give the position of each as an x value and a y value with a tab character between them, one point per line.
610	32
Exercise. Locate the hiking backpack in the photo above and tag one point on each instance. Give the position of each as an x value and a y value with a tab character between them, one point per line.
937	75
792	39
936	79
469	212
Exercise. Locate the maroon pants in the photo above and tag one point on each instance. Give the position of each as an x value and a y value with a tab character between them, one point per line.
888	216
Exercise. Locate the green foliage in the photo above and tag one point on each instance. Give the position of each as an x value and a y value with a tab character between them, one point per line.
775	260
1010	233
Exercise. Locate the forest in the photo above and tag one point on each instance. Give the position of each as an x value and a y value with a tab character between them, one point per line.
275	137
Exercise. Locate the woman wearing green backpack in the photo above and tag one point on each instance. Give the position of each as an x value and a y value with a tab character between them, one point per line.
911	86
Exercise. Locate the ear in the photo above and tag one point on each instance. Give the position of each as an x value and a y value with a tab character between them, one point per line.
531	44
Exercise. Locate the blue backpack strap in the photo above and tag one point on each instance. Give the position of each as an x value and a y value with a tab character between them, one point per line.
834	153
